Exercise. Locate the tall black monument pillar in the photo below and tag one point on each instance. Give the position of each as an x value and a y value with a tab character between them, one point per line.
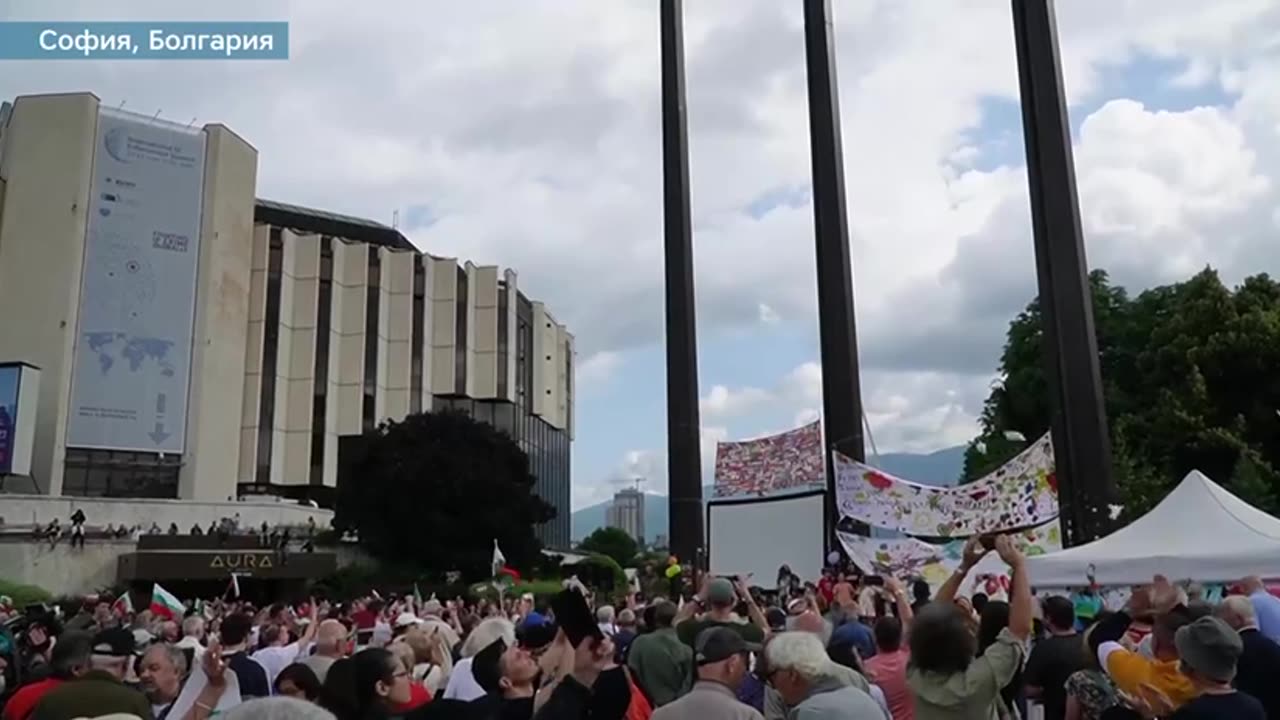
841	390
684	460
1082	447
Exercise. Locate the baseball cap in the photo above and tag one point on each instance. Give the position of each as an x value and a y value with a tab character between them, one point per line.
720	592
1210	647
404	620
486	668
114	642
716	644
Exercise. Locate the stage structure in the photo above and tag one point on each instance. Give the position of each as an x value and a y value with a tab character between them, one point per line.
837	324
1079	423
684	457
1082	446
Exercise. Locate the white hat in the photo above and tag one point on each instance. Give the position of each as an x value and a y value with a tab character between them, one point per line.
406	619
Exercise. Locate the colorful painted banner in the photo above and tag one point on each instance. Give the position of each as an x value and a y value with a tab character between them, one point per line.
906	558
1021	493
792	460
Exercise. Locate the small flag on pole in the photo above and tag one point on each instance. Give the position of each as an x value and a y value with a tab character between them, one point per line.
165	604
233	587
417	596
499	560
123	605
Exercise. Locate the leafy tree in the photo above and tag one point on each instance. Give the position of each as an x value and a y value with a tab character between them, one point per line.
436	489
1190	381
614	543
1249	484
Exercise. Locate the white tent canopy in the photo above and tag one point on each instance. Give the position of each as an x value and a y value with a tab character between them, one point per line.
1199	532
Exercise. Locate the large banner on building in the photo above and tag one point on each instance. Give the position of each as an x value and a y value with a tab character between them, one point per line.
789	461
905	558
137	299
1021	493
19	398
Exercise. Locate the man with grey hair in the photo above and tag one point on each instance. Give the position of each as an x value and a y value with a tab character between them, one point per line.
775	708
797	666
192	641
161	673
1259	663
604	619
331	646
101	690
278	708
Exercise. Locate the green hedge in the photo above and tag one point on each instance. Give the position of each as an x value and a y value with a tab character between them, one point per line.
24	594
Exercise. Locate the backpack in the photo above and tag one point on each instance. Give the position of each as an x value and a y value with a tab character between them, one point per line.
639	708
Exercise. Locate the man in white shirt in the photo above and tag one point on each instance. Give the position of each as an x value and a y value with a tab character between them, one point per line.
281	653
193	638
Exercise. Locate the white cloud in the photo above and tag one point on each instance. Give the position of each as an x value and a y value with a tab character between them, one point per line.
768	316
597	369
531	131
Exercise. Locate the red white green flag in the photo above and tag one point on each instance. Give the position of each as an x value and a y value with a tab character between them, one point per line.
123	605
165	604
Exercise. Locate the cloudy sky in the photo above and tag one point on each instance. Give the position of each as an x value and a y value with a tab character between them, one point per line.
526	133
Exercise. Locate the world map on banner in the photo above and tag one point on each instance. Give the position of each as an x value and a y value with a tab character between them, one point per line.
1021	493
904	558
792	460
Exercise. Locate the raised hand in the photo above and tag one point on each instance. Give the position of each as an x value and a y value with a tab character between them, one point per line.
974	551
1009	552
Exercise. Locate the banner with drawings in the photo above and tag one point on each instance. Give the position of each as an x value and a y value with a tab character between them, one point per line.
792	460
906	558
1021	493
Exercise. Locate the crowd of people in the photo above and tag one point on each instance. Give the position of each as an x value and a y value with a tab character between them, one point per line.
846	647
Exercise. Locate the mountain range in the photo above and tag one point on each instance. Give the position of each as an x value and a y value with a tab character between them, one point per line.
942	468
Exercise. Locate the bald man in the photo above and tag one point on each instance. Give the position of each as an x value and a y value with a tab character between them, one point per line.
331	646
1259	663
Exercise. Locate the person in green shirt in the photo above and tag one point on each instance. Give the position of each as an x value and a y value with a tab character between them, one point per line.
662	665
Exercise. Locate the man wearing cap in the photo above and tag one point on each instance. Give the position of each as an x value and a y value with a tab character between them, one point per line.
720	599
100	690
1208	650
723	659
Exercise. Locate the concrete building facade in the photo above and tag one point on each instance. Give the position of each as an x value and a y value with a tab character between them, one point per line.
306	326
626	512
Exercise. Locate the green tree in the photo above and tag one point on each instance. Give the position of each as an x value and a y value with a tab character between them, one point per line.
614	543
1251	486
1190	380
436	489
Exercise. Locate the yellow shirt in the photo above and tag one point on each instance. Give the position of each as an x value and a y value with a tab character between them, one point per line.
1141	677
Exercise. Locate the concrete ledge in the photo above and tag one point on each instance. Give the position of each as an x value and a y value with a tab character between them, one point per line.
26	509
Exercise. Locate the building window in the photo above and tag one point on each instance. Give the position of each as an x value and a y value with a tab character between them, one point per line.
371	340
324	315
419	335
270	345
503	326
460	336
120	474
568	386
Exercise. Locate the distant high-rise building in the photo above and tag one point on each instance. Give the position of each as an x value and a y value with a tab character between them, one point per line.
626	513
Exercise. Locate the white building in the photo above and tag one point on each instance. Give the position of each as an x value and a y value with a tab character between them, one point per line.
200	344
626	512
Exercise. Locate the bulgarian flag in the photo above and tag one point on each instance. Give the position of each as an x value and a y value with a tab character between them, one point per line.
123	606
165	604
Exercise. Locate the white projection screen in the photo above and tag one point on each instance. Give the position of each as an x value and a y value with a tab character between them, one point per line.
757	536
